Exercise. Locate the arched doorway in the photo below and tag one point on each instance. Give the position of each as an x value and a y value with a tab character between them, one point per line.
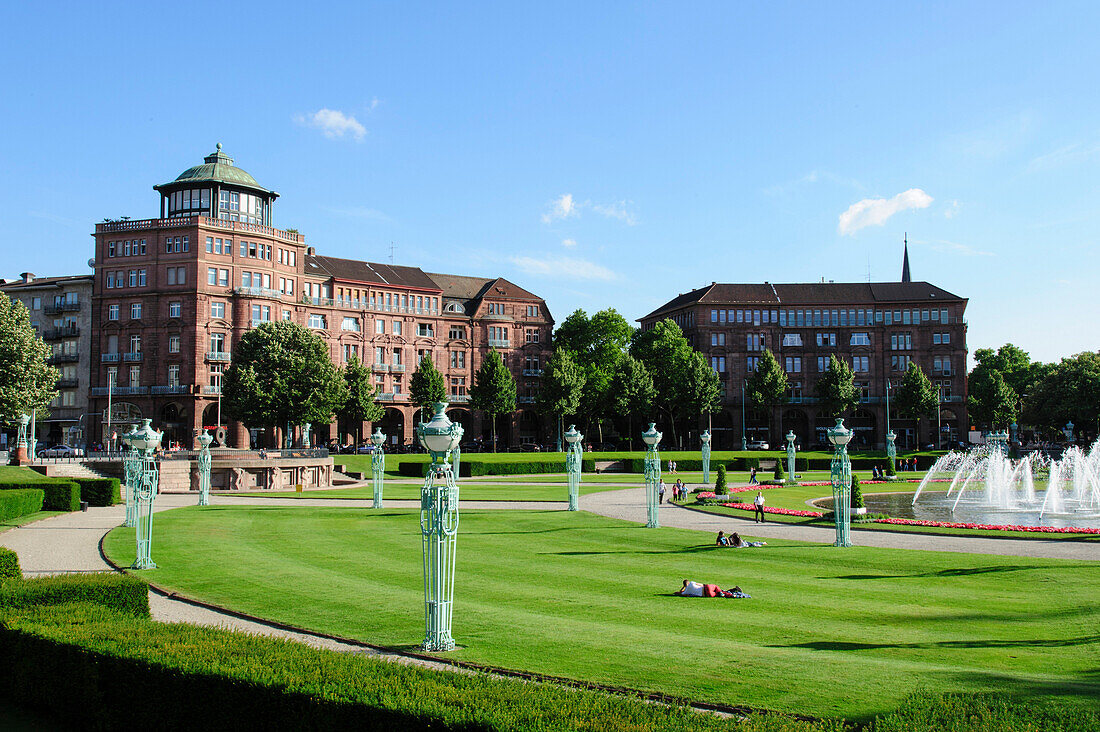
210	423
393	426
173	421
757	427
863	424
530	427
797	421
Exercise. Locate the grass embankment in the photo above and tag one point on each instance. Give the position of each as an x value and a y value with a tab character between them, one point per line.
827	632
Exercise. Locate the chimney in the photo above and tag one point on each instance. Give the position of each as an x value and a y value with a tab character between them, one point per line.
27	277
311	251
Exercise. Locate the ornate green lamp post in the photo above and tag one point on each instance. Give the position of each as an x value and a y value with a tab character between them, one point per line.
891	448
841	473
378	464
204	468
439	527
1067	431
652	474
573	464
790	455
131	466
146	441
705	439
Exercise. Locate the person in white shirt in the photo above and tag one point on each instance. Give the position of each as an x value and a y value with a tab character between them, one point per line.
758	508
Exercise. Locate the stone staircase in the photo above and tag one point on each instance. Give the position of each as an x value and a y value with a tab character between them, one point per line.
68	470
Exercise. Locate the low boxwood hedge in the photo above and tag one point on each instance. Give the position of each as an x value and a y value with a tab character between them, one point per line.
470	466
120	592
58	495
9	565
20	502
99	491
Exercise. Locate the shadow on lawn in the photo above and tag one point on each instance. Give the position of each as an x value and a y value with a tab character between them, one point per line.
853	646
961	572
684	550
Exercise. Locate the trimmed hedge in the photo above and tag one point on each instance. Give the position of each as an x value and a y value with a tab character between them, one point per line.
99	491
469	466
119	592
9	565
83	662
59	495
16	503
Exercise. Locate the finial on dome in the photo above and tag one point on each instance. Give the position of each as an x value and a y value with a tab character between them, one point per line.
219	146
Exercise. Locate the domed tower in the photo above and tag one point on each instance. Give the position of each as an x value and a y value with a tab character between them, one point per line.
218	189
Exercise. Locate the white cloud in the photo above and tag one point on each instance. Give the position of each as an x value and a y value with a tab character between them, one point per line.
562	207
333	123
566	267
876	211
952	209
569	242
618	211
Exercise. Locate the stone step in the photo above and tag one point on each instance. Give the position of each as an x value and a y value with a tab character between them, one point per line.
68	470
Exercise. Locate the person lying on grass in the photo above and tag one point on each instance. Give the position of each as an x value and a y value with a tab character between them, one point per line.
698	589
734	540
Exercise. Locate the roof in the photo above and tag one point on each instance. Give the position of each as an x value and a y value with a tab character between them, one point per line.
368	272
809	293
61	281
217	168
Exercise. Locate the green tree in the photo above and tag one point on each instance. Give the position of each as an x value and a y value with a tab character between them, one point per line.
836	389
633	392
991	401
282	374
426	386
1068	392
767	387
916	397
494	389
561	386
667	356
26	379
701	392
597	344
1012	362
360	405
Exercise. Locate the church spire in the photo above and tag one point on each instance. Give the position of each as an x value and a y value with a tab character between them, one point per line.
905	262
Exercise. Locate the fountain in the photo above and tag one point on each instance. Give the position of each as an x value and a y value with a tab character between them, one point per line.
987	486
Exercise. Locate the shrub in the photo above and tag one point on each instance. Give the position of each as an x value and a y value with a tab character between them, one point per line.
9	564
891	469
857	494
99	491
83	663
983	713
16	503
59	495
720	487
779	475
116	591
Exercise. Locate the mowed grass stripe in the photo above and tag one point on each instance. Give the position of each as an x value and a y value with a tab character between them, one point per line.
577	595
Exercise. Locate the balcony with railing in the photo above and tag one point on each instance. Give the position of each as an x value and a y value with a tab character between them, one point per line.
68	383
53	309
397	368
802	400
318	301
385	396
120	390
109	357
125	225
458	398
532	372
133	357
381	368
500	343
65	331
171	389
64	358
218	356
257	292
526	400
257	322
211	390
952	398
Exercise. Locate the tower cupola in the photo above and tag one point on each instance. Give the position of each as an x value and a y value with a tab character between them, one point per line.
218	189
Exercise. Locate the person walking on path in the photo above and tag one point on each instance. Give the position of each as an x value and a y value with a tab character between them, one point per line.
661	492
758	508
752	477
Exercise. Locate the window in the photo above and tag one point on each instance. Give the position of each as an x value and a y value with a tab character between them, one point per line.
531	335
174	309
211	276
457	333
286	315
397	327
427	330
945	338
826	339
899	363
261	314
379	355
350	324
174	375
141	278
131	279
458	359
112	344
173	344
110	249
217	310
223	278
380	327
532	311
751	364
351	350
861	364
458	385
901	342
135	311
317	320
135	376
860	339
396	357
496	308
792	339
135	344
935	339
112	312
718	363
755	341
717	339
822	364
794	364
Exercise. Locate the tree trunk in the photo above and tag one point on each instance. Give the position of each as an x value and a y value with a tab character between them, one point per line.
493	420
599	429
672	421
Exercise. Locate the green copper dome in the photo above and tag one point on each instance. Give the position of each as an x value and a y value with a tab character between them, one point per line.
216	168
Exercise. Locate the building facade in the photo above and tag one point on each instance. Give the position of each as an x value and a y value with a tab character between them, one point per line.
877	328
173	294
60	310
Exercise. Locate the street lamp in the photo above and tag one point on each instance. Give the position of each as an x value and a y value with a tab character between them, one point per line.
652	474
891	450
841	475
146	441
439	527
705	439
131	466
888	411
204	468
744	440
790	456
1068	431
573	464
378	464
939	417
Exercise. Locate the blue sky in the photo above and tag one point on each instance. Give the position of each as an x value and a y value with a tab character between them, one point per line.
597	154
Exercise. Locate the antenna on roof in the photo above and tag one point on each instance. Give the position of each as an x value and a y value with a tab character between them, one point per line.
393	247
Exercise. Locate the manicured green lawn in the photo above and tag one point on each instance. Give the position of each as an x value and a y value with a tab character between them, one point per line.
468	491
10	473
827	632
692	478
28	519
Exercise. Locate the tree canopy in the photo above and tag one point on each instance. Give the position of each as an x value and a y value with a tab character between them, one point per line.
494	389
426	386
26	379
836	389
282	373
597	344
632	392
916	397
561	384
767	386
360	406
667	356
1068	392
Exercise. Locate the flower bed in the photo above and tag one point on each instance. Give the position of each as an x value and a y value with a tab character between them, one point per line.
986	527
774	510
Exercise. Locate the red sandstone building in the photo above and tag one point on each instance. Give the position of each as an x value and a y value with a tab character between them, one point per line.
878	328
172	295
